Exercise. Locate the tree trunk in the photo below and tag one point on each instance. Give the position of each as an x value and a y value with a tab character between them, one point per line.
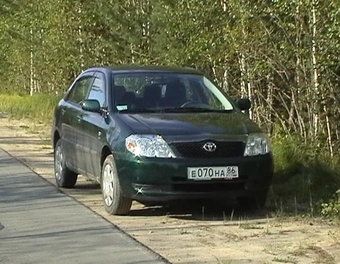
315	71
81	39
31	64
329	133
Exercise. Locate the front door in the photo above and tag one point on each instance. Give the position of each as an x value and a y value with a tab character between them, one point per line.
71	116
95	126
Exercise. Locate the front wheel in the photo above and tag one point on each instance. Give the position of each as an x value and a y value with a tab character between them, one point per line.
114	200
64	176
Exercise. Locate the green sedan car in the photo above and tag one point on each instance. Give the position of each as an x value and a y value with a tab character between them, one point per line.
159	134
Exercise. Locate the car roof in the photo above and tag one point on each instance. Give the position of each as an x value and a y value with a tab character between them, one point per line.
146	68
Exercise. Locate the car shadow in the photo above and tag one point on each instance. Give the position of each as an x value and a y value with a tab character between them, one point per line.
195	210
201	211
88	185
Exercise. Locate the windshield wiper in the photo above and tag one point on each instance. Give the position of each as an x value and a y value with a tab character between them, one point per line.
193	109
176	110
139	110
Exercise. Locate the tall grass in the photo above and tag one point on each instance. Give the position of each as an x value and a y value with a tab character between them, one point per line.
305	175
38	107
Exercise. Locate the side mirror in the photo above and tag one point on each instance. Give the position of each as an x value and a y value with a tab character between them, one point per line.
243	104
91	105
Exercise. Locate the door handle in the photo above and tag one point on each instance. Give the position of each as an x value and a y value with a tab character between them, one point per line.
79	118
63	112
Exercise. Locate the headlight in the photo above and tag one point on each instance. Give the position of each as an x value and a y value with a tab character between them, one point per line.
148	146
257	144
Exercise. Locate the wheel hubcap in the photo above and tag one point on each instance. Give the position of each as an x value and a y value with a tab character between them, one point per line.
108	185
58	163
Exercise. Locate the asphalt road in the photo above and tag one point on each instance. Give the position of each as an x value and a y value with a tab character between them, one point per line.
39	224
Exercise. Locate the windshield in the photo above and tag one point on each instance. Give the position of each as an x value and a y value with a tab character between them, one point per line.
167	92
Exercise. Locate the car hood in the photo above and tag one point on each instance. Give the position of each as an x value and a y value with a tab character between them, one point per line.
193	125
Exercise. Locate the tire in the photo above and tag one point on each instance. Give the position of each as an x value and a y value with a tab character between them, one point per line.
64	176
113	198
254	202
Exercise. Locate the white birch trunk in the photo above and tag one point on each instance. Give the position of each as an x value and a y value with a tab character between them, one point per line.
31	63
81	40
329	133
315	70
225	81
243	74
245	83
224	5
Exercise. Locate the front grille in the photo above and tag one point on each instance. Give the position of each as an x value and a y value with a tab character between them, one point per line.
224	149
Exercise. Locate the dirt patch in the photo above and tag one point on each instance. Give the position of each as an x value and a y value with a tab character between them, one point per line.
193	233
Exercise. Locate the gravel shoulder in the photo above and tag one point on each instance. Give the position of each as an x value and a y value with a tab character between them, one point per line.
193	234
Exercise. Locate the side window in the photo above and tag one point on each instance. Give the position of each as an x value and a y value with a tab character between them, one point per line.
197	92
98	89
80	90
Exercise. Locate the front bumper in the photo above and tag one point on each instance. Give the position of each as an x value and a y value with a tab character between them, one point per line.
163	180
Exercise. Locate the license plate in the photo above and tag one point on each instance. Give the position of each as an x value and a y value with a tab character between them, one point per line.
208	173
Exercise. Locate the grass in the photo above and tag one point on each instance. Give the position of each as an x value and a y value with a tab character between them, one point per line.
38	107
305	177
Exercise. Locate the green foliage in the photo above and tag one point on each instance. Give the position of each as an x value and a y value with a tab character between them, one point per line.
38	107
332	207
305	173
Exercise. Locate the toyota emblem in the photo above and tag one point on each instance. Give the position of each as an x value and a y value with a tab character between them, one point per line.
209	146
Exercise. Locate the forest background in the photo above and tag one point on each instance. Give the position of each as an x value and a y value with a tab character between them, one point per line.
283	55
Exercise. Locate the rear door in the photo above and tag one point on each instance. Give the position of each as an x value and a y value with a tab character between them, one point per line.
71	121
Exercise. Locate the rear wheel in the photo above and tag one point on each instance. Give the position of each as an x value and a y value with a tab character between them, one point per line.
114	200
64	176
